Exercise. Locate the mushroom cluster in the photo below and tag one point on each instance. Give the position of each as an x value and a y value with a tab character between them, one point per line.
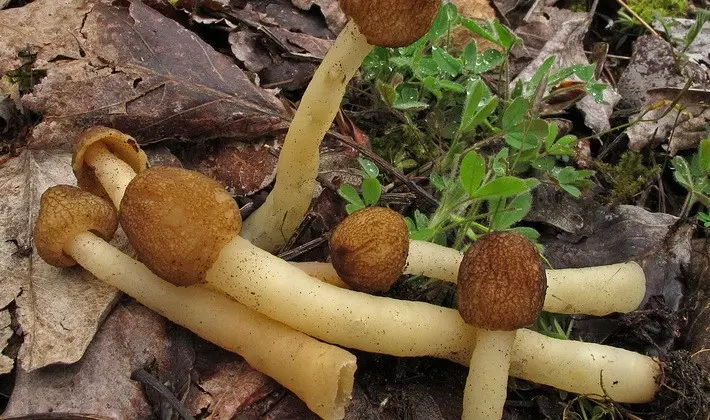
196	269
184	227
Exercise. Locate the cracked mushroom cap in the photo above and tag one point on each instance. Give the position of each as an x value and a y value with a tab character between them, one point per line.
392	23
64	212
501	282
178	221
369	249
122	145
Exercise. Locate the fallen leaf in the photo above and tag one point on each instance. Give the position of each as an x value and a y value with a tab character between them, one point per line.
58	309
6	363
683	127
698	332
334	16
224	384
699	50
652	66
100	383
135	70
241	167
561	32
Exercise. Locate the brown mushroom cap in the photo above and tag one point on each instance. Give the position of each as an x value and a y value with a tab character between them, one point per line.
64	212
120	144
369	249
392	23
178	221
501	282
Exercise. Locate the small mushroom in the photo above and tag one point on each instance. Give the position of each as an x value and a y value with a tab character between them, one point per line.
73	226
105	161
387	23
501	289
369	250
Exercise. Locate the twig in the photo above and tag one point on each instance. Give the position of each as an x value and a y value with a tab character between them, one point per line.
384	165
149	380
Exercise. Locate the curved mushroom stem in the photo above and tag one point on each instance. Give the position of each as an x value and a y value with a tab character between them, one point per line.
377	324
487	382
596	291
320	374
113	173
276	220
594	370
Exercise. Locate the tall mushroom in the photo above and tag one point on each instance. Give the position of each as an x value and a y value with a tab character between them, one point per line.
369	250
387	23
501	288
73	226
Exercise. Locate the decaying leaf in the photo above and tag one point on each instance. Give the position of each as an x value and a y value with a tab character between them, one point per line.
242	168
652	66
560	32
334	16
101	382
58	309
282	46
225	384
133	69
6	363
698	334
679	117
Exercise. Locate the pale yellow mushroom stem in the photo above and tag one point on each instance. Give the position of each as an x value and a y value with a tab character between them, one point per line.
320	374
487	382
595	291
276	220
112	172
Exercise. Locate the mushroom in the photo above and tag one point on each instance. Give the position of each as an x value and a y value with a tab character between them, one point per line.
369	250
387	23
501	289
73	226
105	161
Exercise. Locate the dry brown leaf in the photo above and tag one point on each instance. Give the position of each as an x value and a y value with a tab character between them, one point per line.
224	384
100	383
58	309
133	69
6	363
334	16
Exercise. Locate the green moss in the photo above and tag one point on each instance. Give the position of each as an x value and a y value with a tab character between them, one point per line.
628	177
666	8
578	5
